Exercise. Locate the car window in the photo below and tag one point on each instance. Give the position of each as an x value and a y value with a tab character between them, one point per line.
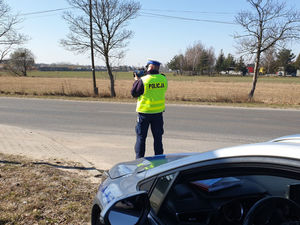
147	184
160	189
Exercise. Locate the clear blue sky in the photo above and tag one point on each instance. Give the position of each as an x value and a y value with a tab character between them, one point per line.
155	37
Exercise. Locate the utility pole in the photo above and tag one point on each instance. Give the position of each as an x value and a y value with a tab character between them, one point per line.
92	50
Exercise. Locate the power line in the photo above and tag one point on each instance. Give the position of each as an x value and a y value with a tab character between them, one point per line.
151	15
42	16
156	10
187	11
45	11
191	19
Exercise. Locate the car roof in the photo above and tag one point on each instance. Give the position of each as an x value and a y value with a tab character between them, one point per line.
283	147
289	139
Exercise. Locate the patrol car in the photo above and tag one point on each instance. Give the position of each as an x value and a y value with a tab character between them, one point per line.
255	184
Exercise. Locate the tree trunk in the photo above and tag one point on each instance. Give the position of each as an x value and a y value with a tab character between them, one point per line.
111	77
255	76
24	68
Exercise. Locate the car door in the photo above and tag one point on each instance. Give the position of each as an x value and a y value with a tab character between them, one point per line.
224	191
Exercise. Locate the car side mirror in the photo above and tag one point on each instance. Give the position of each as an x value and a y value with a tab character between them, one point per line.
128	211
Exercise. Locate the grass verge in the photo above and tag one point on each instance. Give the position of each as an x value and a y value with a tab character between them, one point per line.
33	193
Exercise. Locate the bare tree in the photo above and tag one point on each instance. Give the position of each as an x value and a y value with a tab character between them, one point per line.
196	59
193	55
199	59
297	63
109	18
211	59
270	24
269	60
20	62
9	36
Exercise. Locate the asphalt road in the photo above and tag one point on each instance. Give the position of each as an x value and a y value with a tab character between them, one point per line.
88	126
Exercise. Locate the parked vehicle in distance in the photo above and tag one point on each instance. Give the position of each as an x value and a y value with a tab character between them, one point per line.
255	184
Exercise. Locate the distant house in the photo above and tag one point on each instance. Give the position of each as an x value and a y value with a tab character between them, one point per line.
250	68
280	71
262	70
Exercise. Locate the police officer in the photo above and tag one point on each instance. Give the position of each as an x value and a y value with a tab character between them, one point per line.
150	90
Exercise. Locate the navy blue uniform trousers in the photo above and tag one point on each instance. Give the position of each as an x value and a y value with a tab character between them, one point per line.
156	122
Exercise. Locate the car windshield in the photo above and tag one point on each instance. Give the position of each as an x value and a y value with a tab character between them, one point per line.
225	200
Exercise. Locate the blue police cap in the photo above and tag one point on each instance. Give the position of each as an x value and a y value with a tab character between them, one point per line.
153	62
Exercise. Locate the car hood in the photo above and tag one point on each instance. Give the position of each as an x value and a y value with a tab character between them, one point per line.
143	164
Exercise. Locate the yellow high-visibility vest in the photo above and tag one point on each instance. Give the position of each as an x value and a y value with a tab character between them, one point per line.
153	99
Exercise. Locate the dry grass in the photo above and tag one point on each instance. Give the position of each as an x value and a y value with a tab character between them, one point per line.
235	92
41	194
277	93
